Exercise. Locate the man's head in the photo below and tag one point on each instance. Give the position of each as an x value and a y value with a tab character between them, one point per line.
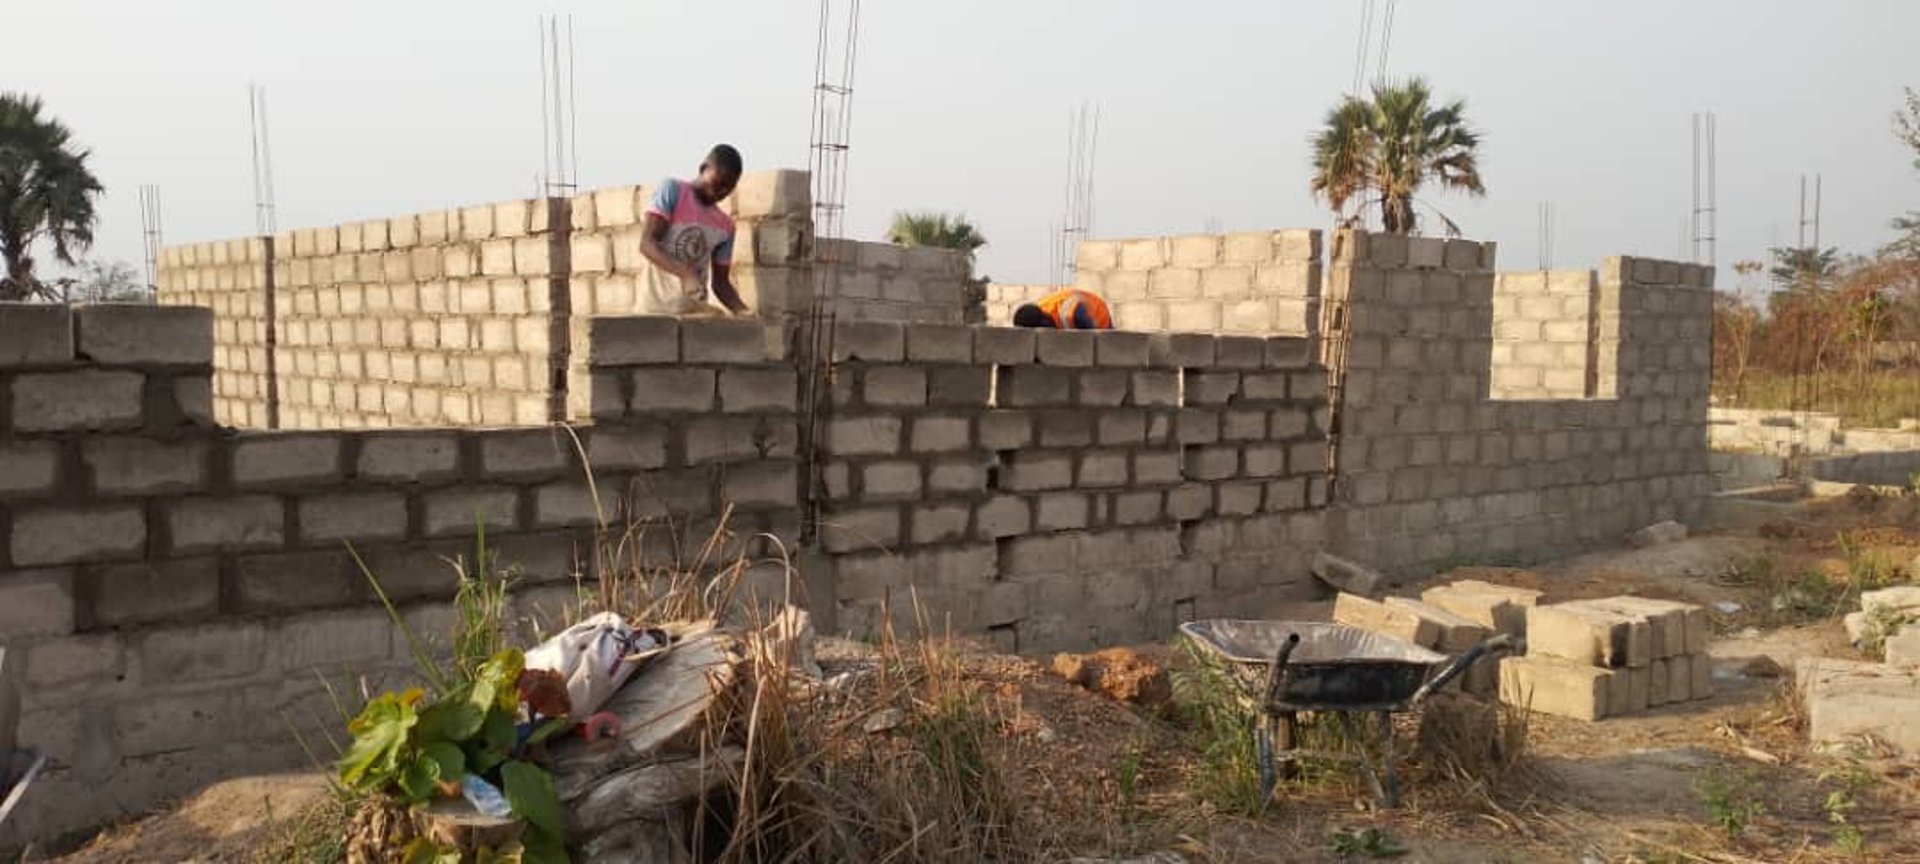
1029	315
719	173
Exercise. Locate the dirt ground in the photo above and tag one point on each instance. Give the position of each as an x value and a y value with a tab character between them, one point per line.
1102	778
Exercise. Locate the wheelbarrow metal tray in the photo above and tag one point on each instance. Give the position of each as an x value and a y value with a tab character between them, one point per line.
1334	667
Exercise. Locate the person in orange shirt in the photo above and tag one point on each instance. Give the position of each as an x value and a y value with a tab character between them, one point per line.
1069	309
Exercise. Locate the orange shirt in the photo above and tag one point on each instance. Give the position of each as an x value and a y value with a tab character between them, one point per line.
1076	310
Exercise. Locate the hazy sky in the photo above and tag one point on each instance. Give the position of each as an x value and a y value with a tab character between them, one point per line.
385	108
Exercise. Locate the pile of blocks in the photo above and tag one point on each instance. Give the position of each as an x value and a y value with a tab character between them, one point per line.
1449	619
1610	657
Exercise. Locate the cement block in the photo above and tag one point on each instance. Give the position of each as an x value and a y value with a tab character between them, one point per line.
34	603
636	448
1902	648
272	458
354	516
672	390
1066	348
939	343
1180	350
863	436
1845	699
144	592
772	193
143	466
528	453
759	390
408	457
895	386
1346	575
79	399
1590	634
37	335
76	535
1497	606
1556	687
724	340
1659	682
28	468
1456	633
1004	346
141	334
453	512
1387	620
633	340
872	341
1702	675
245	522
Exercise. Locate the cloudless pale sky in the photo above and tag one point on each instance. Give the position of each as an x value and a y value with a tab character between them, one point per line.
384	108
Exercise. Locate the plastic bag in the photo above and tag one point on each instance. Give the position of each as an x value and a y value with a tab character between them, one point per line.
596	657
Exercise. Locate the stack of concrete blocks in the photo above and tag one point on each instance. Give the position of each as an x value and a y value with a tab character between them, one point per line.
1255	282
230	278
179	592
432	319
1431	468
1779	433
1063	489
1612	657
1541	338
1428	626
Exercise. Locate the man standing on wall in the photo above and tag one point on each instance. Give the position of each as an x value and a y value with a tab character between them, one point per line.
688	240
1069	309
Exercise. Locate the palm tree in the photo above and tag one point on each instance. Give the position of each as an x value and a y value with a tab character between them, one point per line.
46	192
1384	149
943	230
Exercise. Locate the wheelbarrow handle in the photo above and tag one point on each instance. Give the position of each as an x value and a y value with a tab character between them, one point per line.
1452	670
1277	673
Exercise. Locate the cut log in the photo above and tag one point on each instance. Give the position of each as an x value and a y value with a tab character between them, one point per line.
643	793
661	710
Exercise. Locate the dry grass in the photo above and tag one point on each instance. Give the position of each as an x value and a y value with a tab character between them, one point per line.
904	764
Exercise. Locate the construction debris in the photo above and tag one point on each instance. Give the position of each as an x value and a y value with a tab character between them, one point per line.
1120	673
1658	534
1610	657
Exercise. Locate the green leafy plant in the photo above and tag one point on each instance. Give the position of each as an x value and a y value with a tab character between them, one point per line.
1729	800
417	747
1851	779
1370	842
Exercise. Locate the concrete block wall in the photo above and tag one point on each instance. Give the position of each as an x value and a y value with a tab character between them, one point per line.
230	278
1543	330
1067	489
429	319
1432	469
1257	283
471	315
180	592
885	282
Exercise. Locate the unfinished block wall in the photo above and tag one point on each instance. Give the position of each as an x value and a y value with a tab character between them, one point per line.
179	592
1068	489
430	319
1543	330
1431	468
885	282
472	315
1258	282
229	277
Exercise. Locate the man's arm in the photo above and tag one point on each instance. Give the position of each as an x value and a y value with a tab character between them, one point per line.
723	289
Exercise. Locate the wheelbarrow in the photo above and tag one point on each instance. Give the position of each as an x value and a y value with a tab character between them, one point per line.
1288	667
